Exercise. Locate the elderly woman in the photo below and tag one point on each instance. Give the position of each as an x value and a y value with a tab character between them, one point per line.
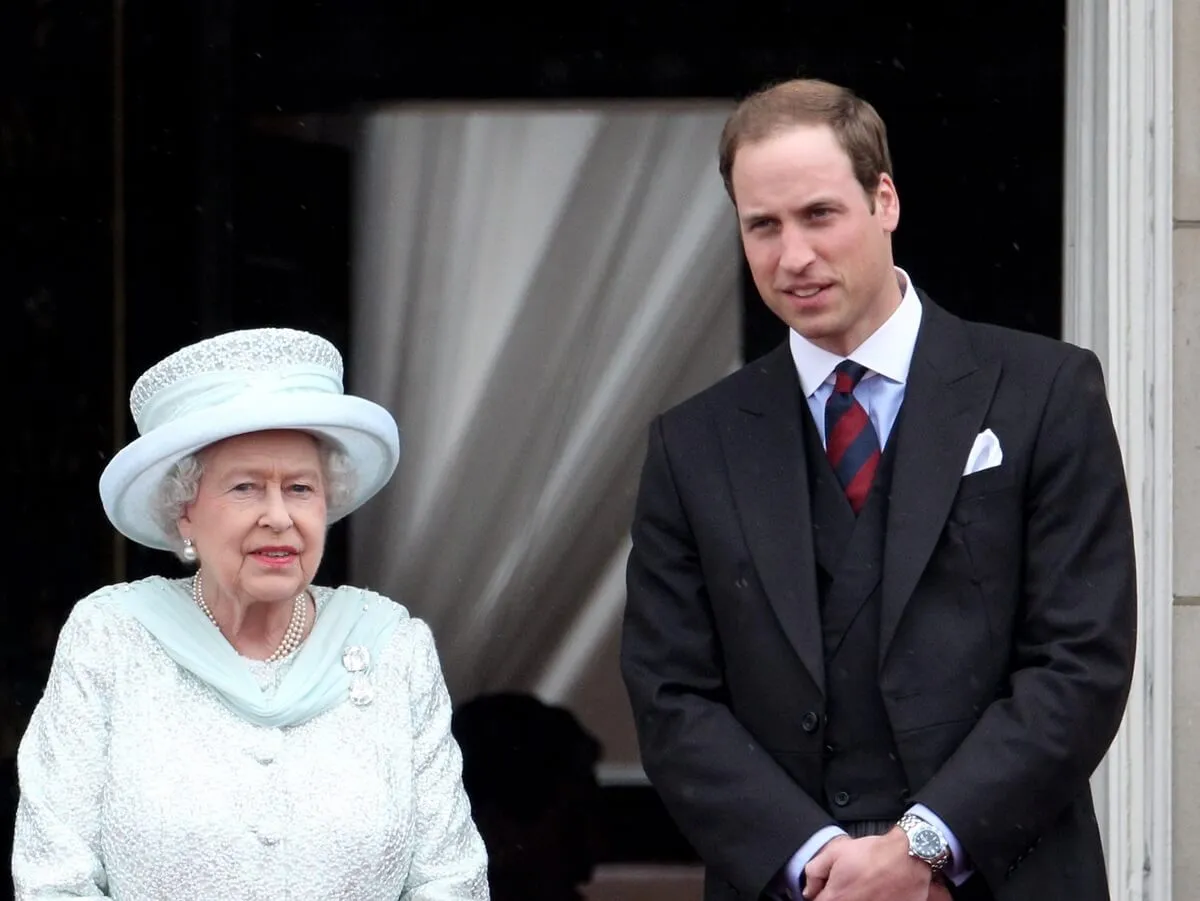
244	733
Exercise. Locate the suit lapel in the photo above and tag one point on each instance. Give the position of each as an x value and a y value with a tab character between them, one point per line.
945	402
765	454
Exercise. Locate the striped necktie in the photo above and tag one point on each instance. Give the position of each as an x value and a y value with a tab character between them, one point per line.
850	439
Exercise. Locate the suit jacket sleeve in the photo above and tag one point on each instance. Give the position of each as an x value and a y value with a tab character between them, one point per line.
744	815
1032	751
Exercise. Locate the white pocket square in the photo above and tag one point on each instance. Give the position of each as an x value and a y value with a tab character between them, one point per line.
985	453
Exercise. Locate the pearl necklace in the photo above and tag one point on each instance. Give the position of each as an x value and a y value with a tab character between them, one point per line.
295	629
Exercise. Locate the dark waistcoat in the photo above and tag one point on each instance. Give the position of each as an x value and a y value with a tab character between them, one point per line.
864	779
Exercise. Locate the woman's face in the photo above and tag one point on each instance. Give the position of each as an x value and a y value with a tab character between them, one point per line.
259	518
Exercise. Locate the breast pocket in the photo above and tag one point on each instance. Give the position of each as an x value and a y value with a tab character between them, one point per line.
986	481
986	521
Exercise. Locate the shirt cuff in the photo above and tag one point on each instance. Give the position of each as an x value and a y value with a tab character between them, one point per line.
958	870
793	871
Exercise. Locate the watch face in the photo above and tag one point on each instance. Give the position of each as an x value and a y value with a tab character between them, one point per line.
926	843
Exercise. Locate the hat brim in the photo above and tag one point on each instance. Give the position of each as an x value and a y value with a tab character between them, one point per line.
364	431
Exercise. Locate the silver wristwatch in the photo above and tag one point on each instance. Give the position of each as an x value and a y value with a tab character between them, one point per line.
925	841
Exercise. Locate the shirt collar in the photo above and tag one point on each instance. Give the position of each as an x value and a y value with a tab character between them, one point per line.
887	352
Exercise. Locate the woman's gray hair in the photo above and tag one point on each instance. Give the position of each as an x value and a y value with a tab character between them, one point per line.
181	485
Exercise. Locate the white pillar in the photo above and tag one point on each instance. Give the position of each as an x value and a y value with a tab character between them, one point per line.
1118	301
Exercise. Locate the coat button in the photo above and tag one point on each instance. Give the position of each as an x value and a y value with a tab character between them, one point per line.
841	799
809	722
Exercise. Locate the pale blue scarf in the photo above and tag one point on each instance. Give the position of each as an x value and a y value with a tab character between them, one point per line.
317	679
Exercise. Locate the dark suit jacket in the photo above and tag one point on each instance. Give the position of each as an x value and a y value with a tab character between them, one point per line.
1007	626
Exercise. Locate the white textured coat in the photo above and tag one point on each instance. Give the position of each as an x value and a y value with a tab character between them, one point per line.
138	782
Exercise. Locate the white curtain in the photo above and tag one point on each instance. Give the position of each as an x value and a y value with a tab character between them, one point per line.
531	287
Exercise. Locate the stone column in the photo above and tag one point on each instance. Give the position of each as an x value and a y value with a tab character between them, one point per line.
1118	301
1186	414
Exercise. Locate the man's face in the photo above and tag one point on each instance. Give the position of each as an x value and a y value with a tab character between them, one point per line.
821	257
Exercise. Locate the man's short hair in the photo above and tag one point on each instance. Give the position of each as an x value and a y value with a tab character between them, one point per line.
808	101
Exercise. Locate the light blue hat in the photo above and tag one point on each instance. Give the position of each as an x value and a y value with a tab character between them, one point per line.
240	382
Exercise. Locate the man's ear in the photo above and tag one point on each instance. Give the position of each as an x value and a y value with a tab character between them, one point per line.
887	203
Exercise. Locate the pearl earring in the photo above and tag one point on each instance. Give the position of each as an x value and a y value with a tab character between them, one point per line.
189	551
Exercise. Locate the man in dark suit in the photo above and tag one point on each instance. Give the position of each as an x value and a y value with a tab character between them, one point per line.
881	613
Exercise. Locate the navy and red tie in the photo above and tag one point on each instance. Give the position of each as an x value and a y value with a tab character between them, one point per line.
850	439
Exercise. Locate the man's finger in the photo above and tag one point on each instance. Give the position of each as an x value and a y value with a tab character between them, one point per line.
816	874
821	863
816	871
812	886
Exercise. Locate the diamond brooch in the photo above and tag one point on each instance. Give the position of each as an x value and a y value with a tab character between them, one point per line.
357	661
